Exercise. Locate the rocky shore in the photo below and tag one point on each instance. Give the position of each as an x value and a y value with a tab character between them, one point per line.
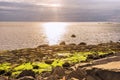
62	62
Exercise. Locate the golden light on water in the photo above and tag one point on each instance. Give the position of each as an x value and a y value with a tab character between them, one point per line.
54	31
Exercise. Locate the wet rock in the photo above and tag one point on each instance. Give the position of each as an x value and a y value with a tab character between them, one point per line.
93	56
46	74
3	78
73	35
49	61
100	74
72	44
58	71
2	72
44	45
35	67
8	73
74	79
66	64
62	43
90	78
82	43
26	73
78	74
53	77
26	78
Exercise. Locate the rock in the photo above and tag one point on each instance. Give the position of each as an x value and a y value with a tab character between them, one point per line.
46	74
66	64
74	79
72	44
26	78
2	72
3	78
90	78
101	74
62	43
93	56
53	77
73	35
82	43
58	71
49	61
8	74
26	73
35	67
44	45
78	74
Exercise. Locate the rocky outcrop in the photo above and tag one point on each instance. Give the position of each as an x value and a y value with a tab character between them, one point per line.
101	74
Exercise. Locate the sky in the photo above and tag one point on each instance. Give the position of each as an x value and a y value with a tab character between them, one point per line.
60	10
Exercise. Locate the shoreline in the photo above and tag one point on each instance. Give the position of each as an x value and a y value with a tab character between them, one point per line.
59	59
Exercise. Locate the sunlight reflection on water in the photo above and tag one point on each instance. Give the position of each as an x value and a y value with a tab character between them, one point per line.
54	31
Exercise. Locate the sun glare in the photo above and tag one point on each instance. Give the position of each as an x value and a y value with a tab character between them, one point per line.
50	5
54	31
55	5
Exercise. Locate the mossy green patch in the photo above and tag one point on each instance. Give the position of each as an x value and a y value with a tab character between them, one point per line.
57	62
16	73
25	66
42	65
5	66
76	57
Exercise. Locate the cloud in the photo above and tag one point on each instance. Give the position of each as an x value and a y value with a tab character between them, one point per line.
71	10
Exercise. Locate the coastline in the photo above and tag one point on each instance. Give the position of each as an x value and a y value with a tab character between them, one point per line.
62	56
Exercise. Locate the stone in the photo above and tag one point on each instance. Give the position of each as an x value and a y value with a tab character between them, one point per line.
44	45
46	74
35	67
82	43
53	77
26	73
66	64
93	56
3	78
73	35
78	74
26	78
58	71
72	44
2	72
8	73
101	74
62	43
74	79
49	61
90	78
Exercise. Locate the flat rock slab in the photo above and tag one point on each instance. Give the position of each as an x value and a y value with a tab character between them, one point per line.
111	66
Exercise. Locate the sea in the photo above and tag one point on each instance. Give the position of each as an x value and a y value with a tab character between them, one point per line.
18	35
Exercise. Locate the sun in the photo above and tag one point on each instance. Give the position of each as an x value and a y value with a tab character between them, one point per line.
55	5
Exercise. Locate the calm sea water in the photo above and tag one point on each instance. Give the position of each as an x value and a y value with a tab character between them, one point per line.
15	35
